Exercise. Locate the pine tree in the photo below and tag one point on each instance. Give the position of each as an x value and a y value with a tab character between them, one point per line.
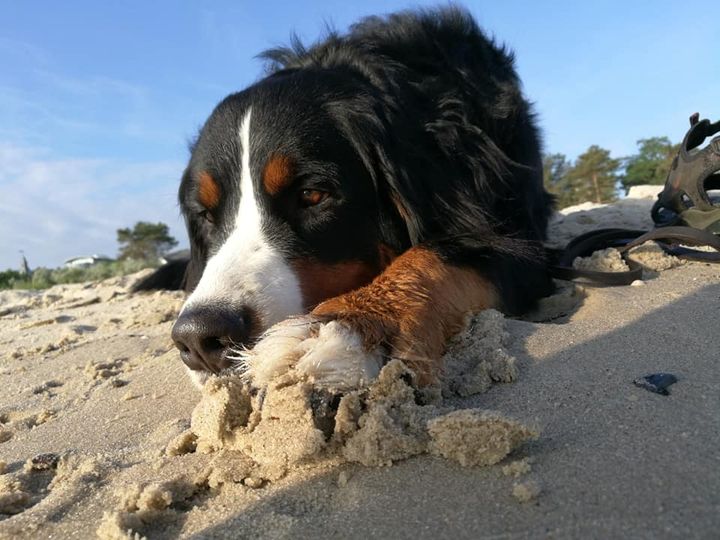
651	164
593	176
145	241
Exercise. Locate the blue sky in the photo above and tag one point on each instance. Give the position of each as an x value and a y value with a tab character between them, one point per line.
99	99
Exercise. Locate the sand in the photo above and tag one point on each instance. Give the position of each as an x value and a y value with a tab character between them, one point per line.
526	491
292	424
536	431
650	256
603	260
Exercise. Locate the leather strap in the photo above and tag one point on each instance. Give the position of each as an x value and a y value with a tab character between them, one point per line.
678	235
625	239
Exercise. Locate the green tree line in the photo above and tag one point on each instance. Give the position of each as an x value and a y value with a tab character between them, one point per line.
139	247
596	176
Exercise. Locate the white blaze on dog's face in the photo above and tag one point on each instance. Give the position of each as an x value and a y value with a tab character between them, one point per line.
281	215
247	270
245	275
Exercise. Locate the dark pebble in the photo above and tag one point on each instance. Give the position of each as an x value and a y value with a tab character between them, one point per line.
656	382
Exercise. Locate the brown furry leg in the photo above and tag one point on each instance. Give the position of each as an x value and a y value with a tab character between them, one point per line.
412	308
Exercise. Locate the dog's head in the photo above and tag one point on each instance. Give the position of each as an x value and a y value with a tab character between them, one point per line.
285	207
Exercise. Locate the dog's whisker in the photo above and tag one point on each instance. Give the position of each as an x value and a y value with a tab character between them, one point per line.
238	357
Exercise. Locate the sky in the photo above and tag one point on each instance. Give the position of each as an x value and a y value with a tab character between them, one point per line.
98	100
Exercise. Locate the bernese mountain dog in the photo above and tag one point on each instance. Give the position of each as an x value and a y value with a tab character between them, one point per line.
358	201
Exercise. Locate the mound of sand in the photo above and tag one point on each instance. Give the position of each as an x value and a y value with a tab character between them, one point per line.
376	426
649	255
291	423
604	260
255	438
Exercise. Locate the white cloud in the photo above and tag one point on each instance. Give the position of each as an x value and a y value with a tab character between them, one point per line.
54	209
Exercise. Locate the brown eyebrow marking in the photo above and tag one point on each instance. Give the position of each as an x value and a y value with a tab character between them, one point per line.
278	173
208	191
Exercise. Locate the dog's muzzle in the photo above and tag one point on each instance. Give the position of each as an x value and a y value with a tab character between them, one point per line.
206	335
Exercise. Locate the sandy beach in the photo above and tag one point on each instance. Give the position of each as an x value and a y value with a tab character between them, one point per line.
98	437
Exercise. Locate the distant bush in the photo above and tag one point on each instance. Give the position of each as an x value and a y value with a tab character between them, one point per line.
43	278
8	278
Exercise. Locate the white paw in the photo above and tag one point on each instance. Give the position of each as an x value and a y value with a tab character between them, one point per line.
330	355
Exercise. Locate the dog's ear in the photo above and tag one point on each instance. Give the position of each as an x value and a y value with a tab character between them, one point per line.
193	271
364	126
396	191
170	277
197	259
422	192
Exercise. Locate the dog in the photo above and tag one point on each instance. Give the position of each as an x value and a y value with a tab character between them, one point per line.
357	202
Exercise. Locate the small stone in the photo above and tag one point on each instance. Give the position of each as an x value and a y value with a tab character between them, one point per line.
638	283
343	478
657	383
526	491
517	468
254	483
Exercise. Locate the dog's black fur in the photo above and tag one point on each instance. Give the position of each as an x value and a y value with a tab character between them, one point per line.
417	125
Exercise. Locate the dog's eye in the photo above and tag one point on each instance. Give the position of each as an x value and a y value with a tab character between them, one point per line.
207	216
312	197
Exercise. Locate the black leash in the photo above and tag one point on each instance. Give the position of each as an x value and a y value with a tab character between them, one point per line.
669	238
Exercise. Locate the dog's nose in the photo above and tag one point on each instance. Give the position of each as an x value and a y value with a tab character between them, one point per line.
204	336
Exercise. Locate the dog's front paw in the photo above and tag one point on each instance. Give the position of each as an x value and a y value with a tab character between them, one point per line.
330	354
